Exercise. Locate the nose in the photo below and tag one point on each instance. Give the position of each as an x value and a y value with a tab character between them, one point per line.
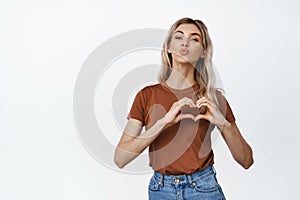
185	42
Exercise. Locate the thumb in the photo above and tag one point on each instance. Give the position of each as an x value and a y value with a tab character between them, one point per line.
184	116
201	116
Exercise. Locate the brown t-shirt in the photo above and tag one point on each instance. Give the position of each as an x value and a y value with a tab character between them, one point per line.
184	147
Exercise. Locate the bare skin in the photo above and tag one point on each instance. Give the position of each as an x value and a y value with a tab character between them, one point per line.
185	52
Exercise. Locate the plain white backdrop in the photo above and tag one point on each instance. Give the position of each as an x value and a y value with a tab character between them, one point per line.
43	45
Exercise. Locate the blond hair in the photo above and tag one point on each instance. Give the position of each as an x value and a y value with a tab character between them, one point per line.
203	74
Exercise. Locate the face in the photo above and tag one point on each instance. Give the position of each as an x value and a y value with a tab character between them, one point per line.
185	45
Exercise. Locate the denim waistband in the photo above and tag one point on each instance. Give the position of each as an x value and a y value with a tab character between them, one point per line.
184	178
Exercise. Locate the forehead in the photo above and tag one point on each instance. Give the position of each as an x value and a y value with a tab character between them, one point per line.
188	28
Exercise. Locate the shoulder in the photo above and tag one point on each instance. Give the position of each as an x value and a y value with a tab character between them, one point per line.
220	94
222	100
150	88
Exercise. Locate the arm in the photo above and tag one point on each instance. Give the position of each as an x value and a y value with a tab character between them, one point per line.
239	148
132	143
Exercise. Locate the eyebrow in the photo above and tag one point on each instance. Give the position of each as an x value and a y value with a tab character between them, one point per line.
191	33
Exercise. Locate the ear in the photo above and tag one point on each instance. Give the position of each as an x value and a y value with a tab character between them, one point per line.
169	50
203	54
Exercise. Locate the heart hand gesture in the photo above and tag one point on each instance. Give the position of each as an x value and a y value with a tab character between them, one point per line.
213	114
173	116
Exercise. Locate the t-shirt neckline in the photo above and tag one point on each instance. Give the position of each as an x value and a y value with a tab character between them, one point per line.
189	89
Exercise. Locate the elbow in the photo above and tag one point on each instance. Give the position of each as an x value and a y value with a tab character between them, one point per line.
118	161
245	160
248	163
119	164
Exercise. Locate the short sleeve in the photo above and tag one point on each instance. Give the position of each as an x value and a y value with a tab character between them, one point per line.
138	108
225	107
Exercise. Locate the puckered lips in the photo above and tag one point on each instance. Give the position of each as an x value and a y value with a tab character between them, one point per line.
184	51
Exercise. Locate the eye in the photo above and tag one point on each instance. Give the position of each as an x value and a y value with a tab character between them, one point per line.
195	39
177	37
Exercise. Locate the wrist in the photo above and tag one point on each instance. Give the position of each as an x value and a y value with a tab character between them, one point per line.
225	124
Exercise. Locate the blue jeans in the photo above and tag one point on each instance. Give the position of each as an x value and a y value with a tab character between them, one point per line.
201	185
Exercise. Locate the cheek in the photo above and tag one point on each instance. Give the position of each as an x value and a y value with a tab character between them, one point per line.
175	46
196	55
196	51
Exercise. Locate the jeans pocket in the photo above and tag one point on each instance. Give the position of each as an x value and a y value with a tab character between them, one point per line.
154	184
208	183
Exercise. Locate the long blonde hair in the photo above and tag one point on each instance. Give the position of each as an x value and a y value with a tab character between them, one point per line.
203	74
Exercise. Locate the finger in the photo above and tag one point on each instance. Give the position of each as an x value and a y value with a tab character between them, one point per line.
200	116
186	116
187	101
202	98
182	104
204	102
183	116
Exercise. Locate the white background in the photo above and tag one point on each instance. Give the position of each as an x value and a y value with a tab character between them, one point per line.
43	45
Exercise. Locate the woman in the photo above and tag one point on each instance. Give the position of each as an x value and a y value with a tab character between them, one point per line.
179	115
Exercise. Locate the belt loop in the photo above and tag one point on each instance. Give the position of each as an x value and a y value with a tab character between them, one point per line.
213	169
189	176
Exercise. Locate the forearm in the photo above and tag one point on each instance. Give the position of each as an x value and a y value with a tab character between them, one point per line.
239	148
130	149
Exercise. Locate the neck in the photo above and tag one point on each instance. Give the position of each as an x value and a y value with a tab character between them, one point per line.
182	76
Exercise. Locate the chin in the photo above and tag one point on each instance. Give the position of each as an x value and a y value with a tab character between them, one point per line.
183	61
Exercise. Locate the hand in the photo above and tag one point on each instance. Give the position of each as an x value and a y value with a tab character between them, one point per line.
213	114
172	116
